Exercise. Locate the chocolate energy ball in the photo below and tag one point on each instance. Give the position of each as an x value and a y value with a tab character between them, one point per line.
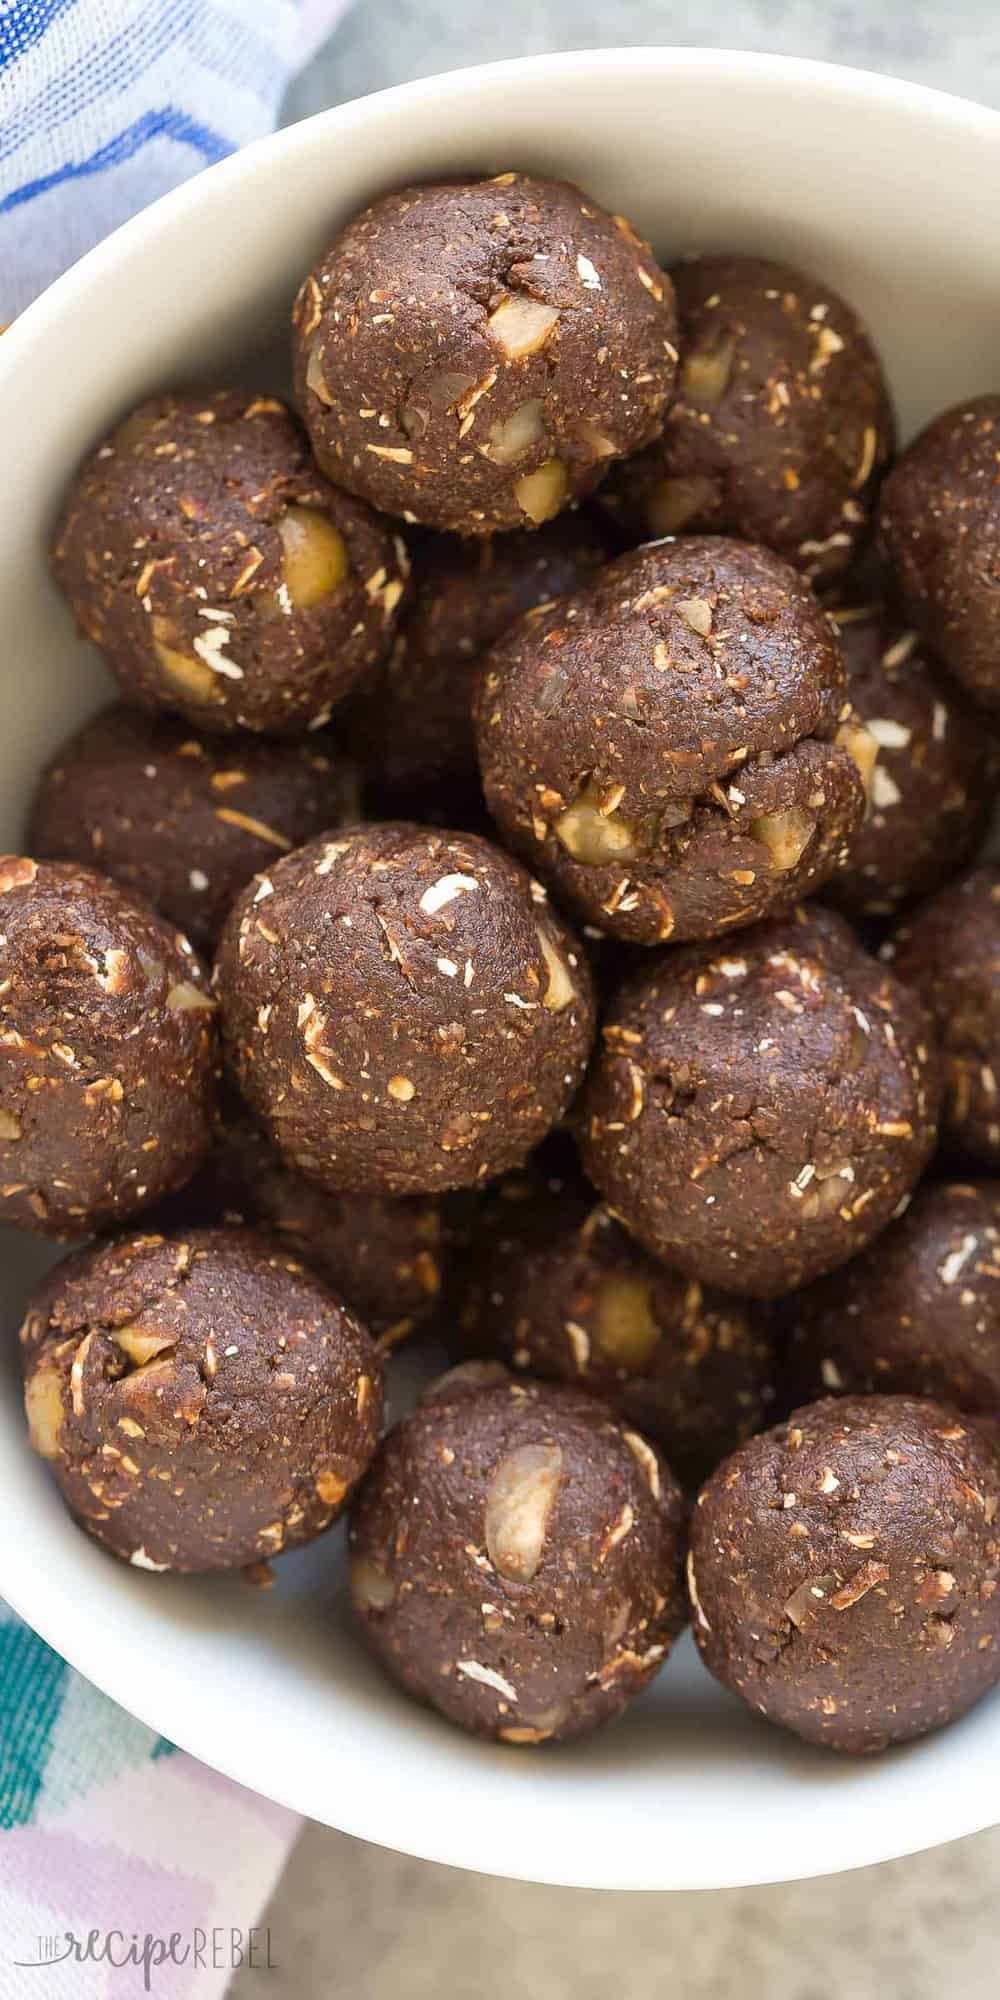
782	423
844	1570
184	820
671	747
949	951
403	1010
385	1256
517	1558
107	1085
410	724
931	788
218	572
558	1289
917	1314
758	1113
203	1400
474	354
939	525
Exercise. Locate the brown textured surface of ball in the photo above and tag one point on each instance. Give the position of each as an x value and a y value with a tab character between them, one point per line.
410	724
474	354
932	782
184	820
385	1255
403	1010
107	1086
671	746
782	423
949	952
516	1558
758	1112
844	1571
203	1401
939	526
218	572
557	1289
917	1314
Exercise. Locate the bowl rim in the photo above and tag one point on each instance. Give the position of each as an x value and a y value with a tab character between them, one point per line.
363	1816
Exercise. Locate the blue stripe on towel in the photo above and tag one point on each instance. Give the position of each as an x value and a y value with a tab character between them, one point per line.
167	123
24	22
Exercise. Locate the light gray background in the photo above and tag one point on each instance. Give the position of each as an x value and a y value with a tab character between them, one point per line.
350	1922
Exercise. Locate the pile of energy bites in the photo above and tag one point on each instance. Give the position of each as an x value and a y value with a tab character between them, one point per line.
497	816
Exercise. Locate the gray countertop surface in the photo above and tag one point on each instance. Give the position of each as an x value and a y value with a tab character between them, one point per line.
352	1922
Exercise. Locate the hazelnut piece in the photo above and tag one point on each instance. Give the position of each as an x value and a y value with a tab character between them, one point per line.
43	1405
786	835
674	502
541	494
508	441
521	325
315	560
626	1330
519	1503
595	837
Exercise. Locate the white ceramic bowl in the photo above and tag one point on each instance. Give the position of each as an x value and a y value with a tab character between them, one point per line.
891	192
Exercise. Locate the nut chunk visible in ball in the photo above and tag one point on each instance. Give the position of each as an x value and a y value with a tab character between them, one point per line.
403	1010
844	1571
202	1399
184	820
939	525
758	1113
556	1288
671	747
782	424
474	354
109	1056
932	779
918	1314
516	1558
949	952
219	574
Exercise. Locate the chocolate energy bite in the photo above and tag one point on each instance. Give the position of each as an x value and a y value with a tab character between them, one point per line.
949	952
107	1081
931	787
203	1401
844	1571
184	820
917	1314
218	572
403	1010
516	1557
782	423
385	1255
474	354
671	746
758	1113
939	526
410	723
558	1289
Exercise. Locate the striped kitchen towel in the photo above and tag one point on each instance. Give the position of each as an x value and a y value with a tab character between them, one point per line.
125	1867
104	104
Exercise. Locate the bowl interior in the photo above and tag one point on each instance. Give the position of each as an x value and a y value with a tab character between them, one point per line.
890	193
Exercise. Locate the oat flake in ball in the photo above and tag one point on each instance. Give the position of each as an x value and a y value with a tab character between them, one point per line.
218	572
671	747
949	952
844	1571
202	1399
759	1111
184	820
516	1558
403	1010
474	354
782	424
410	723
931	785
917	1314
939	526
109	1057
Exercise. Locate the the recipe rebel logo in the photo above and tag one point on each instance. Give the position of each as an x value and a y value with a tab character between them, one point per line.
223	1948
